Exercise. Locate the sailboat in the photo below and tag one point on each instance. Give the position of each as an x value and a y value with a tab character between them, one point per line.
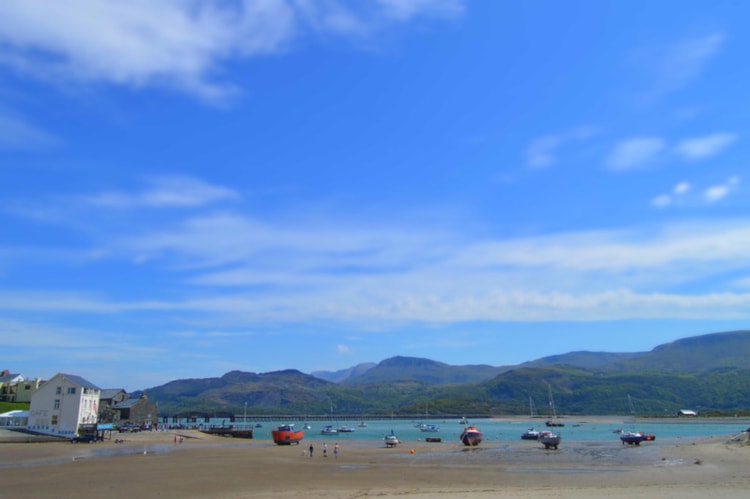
634	437
554	421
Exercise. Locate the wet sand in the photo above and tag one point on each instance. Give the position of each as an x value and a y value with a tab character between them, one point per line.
150	465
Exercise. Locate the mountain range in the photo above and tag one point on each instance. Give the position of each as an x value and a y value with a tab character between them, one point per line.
709	373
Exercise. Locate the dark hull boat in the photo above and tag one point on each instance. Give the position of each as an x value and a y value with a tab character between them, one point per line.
471	436
632	438
549	439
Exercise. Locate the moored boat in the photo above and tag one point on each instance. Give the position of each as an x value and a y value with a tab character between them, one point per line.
471	436
430	428
328	430
632	438
345	429
530	434
549	439
287	435
391	440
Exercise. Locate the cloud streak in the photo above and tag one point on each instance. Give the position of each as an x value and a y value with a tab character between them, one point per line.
635	153
173	43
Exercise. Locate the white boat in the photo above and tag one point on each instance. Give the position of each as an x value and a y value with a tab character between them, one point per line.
362	424
345	429
463	420
549	439
430	428
328	430
391	440
530	434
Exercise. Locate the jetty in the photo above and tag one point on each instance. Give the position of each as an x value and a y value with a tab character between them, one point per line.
229	431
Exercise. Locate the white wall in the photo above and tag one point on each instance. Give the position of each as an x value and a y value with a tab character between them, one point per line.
61	405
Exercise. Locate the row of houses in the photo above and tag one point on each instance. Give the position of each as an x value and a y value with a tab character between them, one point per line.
16	388
66	403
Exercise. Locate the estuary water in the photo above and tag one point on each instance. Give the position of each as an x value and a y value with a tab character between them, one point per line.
594	429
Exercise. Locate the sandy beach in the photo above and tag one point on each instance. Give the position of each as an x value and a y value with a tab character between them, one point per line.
151	464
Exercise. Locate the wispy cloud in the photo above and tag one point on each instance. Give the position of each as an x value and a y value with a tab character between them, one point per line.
721	191
17	133
543	151
176	43
167	191
243	272
704	147
635	153
403	10
670	67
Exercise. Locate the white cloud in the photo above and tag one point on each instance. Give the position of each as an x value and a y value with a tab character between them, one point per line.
635	152
680	195
719	192
343	349
167	191
704	147
177	43
16	133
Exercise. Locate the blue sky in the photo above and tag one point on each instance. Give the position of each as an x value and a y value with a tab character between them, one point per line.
188	188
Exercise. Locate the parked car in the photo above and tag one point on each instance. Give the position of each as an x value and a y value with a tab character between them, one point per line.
129	428
86	438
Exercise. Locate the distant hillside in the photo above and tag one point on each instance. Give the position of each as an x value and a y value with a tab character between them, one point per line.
584	360
344	374
710	372
709	351
424	370
277	391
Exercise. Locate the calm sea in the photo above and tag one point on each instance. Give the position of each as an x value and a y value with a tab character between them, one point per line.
583	429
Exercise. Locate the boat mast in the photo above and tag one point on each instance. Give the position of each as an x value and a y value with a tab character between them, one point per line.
552	401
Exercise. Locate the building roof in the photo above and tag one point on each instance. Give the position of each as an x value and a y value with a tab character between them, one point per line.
15	414
108	393
78	380
8	378
126	404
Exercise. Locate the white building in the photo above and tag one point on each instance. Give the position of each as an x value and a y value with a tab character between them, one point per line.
62	404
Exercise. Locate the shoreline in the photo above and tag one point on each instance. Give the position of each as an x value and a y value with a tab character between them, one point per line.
152	465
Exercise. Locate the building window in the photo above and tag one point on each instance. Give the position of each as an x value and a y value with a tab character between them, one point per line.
54	419
72	390
59	390
57	403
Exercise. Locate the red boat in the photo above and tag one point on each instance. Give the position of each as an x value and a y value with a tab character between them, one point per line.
471	436
287	435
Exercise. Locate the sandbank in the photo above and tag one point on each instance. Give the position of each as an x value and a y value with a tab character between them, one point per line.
151	464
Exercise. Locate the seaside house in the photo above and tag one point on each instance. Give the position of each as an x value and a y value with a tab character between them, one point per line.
8	385
62	404
109	398
140	411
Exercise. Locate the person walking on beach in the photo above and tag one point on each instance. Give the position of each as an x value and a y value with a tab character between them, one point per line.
336	451
311	449
325	450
